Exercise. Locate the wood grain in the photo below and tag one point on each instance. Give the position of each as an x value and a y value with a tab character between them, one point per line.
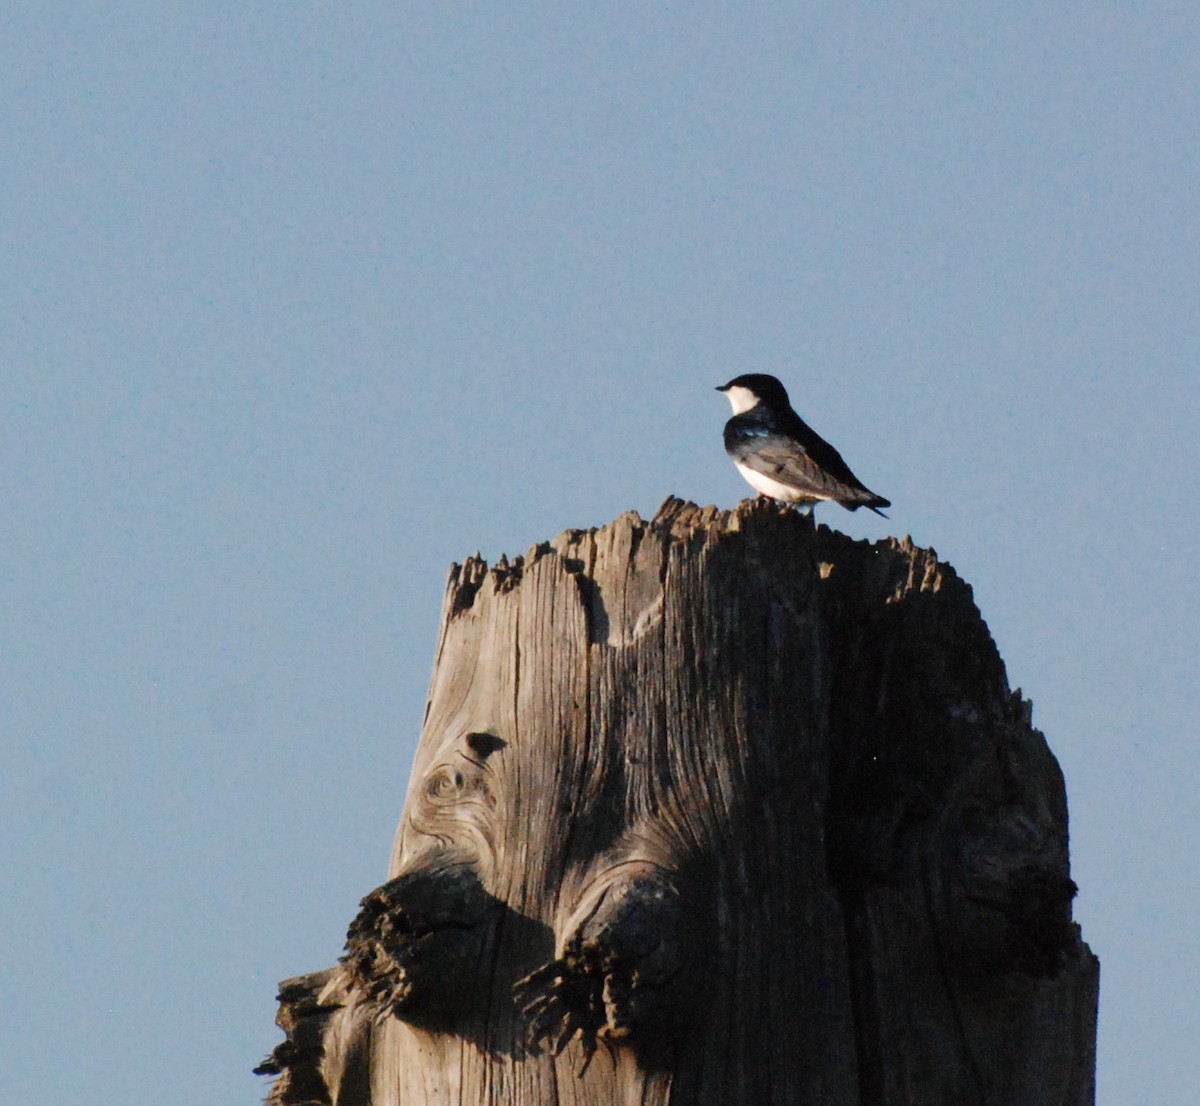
718	808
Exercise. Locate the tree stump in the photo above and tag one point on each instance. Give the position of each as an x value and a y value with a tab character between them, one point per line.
723	809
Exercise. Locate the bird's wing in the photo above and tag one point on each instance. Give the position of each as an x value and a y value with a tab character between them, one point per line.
792	462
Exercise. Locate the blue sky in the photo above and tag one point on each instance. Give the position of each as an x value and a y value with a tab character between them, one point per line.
301	303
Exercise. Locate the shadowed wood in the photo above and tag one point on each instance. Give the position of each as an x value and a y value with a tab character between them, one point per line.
717	808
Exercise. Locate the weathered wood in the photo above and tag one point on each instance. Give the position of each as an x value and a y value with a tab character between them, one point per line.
743	804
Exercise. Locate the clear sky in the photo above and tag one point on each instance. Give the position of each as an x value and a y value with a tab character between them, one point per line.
302	302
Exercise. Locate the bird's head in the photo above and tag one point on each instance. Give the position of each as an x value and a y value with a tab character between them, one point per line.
745	392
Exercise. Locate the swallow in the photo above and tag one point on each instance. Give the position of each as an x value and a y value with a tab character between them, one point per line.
781	456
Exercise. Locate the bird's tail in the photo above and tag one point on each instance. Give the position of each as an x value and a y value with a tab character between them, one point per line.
874	503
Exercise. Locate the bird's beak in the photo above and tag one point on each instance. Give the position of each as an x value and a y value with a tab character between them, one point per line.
720	387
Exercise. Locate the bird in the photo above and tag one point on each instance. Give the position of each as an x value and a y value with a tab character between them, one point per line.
781	456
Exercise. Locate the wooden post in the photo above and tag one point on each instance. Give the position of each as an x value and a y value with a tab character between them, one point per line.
720	809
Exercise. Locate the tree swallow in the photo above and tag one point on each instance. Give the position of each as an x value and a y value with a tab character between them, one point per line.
783	458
